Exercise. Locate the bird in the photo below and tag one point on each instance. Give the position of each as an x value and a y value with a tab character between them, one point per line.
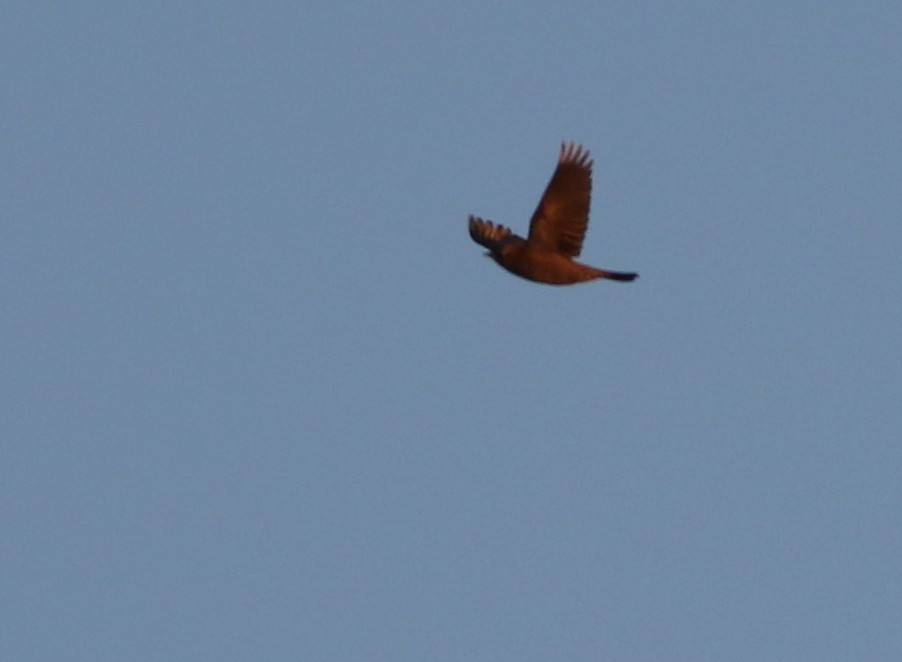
556	231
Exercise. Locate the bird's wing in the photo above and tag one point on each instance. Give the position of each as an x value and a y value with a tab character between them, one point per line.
559	222
490	235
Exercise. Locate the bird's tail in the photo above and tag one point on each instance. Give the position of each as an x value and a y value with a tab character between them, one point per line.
617	275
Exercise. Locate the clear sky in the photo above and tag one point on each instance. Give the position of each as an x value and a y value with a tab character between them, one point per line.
263	399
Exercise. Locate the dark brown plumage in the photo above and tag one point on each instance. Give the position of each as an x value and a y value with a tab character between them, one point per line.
556	230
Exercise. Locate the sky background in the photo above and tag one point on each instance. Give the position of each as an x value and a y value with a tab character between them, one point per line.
263	399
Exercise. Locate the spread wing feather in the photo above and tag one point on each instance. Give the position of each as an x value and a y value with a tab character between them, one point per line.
559	222
491	235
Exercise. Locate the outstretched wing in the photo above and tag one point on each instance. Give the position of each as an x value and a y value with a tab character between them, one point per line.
559	222
490	235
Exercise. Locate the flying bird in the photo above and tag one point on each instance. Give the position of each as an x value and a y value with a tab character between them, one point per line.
556	230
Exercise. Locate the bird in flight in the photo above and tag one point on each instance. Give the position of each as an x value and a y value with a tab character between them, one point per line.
556	230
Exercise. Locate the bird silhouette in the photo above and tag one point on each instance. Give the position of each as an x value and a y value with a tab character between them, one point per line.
556	230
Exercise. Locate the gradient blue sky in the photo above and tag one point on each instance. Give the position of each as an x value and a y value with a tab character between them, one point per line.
263	399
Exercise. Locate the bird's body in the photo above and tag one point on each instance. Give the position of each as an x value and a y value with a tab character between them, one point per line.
556	230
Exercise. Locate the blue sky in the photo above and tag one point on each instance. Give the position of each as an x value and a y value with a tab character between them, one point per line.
264	399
